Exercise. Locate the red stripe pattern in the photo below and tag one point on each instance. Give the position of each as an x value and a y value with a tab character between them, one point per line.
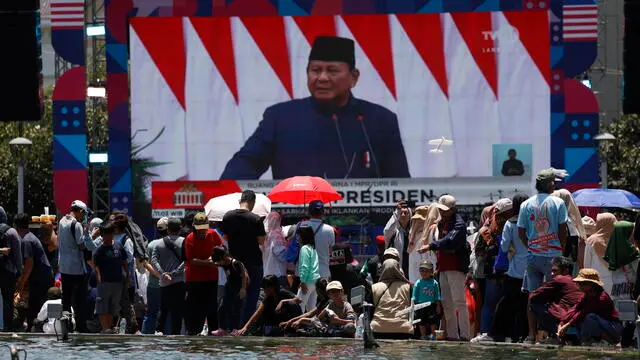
67	14
580	23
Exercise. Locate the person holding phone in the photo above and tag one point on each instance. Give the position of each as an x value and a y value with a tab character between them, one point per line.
396	232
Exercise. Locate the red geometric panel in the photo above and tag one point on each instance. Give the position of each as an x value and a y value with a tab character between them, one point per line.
215	33
269	34
314	26
164	40
425	32
472	25
533	27
69	185
373	34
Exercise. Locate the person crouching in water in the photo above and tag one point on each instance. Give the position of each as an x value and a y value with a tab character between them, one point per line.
235	291
337	319
269	311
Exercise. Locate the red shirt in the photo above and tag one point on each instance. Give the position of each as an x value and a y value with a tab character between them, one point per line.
447	259
200	249
561	293
599	304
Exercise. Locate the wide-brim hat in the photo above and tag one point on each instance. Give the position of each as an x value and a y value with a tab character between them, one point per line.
589	275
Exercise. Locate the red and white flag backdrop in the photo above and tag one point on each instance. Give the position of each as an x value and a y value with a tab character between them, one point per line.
477	78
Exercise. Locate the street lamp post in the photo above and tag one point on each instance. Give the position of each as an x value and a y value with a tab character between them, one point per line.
602	139
19	148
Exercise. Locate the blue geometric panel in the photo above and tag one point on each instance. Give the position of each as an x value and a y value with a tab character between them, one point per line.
509	5
290	8
69	44
557	119
121	202
575	159
489	5
431	7
117	58
578	56
124	183
119	153
556	56
70	152
461	5
557	103
68	117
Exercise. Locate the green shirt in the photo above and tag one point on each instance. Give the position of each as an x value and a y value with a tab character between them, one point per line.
308	266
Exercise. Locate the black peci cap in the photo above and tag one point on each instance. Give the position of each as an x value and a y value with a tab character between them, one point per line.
333	48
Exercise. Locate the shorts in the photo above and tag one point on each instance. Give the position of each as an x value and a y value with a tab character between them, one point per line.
538	271
108	298
428	315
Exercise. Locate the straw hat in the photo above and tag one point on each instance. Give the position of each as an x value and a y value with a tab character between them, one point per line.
589	275
421	213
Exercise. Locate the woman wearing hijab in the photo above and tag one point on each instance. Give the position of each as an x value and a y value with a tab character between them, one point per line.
622	256
274	249
488	246
431	233
478	264
596	246
577	233
416	238
391	294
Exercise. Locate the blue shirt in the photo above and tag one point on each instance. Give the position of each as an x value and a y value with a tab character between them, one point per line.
32	248
426	291
109	260
70	256
511	237
541	216
502	259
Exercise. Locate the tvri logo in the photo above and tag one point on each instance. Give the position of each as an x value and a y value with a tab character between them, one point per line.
503	39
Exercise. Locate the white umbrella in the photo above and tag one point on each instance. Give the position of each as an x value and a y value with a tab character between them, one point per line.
218	206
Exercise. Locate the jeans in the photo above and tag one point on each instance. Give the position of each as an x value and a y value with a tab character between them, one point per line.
202	303
154	295
537	272
172	302
253	291
510	318
593	326
493	293
230	310
74	293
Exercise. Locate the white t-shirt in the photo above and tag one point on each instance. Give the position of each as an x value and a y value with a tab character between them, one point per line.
325	240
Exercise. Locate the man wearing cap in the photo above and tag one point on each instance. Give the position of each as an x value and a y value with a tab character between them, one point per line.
543	227
72	263
453	262
201	275
325	236
154	293
331	134
166	258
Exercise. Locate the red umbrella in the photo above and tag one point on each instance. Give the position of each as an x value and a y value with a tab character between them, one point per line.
302	190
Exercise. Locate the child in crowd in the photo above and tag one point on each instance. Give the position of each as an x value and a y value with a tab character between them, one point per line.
110	260
235	291
272	317
427	289
308	268
336	319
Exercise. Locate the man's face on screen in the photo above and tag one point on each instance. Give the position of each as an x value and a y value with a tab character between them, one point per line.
330	81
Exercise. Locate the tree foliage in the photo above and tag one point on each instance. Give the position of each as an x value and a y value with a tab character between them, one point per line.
623	153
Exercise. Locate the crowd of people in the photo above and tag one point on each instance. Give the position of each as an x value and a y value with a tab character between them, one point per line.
535	272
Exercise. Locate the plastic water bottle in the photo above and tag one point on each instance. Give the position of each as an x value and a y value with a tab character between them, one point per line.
360	327
122	326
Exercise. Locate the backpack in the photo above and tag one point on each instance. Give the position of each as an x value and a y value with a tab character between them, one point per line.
140	241
293	250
